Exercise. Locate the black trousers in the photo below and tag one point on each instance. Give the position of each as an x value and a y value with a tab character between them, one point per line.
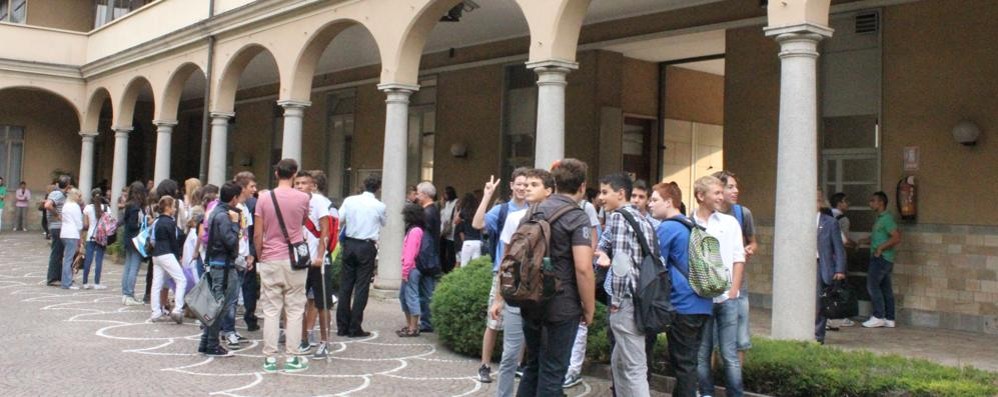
549	351
448	255
355	284
55	257
147	297
685	336
251	293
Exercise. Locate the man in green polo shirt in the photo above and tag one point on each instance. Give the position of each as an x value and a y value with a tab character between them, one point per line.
883	240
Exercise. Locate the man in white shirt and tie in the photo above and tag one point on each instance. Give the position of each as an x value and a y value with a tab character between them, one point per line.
361	218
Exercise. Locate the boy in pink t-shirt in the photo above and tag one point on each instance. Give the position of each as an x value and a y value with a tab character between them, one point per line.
283	288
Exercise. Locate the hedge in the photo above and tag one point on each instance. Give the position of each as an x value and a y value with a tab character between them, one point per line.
779	368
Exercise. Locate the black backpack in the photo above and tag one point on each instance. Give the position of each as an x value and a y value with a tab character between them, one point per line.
653	310
428	260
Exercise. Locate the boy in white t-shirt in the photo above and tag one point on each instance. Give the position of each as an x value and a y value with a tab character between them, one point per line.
318	285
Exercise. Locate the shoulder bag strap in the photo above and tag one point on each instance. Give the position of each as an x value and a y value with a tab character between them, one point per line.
280	218
645	249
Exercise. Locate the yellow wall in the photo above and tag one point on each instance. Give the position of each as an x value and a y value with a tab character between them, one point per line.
51	134
940	65
76	15
694	96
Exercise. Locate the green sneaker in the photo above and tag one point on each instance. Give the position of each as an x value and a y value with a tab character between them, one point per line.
296	364
270	365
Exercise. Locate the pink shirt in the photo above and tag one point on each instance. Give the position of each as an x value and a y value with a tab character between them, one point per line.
410	250
294	209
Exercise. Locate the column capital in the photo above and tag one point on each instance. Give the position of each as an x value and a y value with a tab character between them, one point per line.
165	123
408	89
222	115
806	28
552	65
294	104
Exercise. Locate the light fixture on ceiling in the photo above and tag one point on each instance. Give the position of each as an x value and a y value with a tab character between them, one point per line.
456	12
966	133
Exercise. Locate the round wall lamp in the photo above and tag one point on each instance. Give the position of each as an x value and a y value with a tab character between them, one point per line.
459	150
966	133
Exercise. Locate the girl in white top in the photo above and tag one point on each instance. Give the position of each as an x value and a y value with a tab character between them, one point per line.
72	223
94	252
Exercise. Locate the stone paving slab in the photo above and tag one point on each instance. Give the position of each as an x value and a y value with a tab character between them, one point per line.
62	342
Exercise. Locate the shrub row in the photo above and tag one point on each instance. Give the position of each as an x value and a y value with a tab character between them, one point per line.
779	368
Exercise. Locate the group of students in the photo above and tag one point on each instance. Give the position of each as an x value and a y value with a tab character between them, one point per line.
546	345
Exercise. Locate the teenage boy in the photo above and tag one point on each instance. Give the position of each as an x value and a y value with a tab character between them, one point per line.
692	310
426	196
317	289
745	220
883	240
283	287
640	193
549	329
53	210
574	375
709	193
540	186
245	262
251	284
493	221
361	218
620	250
221	253
840	205
831	262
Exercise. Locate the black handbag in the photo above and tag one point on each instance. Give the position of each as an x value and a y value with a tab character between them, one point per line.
297	252
838	302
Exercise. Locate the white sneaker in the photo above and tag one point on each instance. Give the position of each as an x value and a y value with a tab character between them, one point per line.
130	301
99	286
874	322
889	323
86	286
74	287
847	323
158	317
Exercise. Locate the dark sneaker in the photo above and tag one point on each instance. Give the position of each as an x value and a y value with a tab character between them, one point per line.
270	365
217	351
485	374
253	327
519	370
360	334
322	352
304	347
296	364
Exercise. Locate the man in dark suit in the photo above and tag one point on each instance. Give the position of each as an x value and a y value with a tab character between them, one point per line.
831	261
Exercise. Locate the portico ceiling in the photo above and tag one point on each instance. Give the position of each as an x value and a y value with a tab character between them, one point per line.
495	20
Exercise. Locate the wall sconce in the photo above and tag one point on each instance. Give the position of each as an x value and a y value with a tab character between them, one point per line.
966	133
459	150
246	161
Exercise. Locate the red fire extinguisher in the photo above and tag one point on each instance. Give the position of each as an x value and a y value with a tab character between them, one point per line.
905	198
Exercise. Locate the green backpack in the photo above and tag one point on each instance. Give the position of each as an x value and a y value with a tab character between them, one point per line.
707	275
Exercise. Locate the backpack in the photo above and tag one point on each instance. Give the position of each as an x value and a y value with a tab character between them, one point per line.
107	227
428	259
333	224
494	240
707	276
653	310
526	274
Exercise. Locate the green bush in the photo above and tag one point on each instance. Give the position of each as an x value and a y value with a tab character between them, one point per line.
779	368
459	307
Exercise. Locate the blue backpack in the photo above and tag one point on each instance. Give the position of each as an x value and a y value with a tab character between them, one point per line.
428	260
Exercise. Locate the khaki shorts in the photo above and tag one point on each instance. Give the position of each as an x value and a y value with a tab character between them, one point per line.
489	322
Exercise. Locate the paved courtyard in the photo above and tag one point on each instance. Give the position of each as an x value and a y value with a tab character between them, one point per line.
61	342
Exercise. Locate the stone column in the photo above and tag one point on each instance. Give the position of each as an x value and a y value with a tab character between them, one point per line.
119	173
219	147
294	114
550	137
87	164
164	142
393	175
795	235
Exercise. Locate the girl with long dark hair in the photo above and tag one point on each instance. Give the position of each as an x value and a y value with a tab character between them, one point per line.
94	252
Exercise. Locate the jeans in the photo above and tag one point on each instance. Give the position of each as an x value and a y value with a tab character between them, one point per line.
878	283
685	337
69	252
55	256
724	322
216	274
512	344
426	287
251	293
229	319
131	270
355	284
409	294
744	336
20	221
628	361
94	254
549	350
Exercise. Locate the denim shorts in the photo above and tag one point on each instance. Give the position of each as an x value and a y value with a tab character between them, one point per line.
409	294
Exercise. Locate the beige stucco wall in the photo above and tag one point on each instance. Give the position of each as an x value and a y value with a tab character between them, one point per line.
639	87
51	134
